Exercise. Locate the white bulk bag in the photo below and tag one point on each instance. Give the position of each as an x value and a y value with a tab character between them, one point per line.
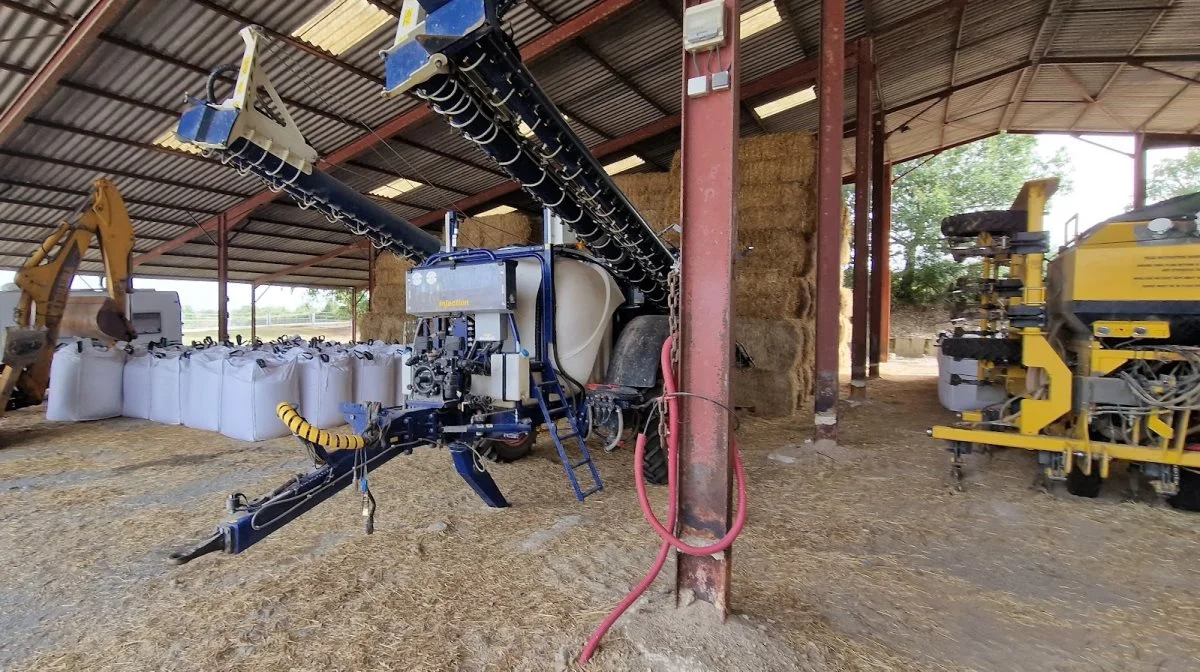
326	381
136	385
252	386
85	382
201	398
167	382
374	376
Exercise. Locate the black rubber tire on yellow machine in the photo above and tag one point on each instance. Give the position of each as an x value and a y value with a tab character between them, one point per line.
1084	485
1188	497
507	450
1001	350
984	221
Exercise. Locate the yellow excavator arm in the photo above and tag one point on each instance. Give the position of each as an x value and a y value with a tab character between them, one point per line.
45	284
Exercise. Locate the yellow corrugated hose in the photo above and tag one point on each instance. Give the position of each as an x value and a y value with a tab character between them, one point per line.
303	429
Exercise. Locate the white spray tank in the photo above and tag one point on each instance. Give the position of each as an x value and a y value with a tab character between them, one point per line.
586	297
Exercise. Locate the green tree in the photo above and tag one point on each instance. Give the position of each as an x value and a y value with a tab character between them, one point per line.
1175	177
336	301
984	175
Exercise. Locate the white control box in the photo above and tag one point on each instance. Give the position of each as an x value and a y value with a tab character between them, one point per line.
704	26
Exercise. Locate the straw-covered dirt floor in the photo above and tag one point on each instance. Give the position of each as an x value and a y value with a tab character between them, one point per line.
859	557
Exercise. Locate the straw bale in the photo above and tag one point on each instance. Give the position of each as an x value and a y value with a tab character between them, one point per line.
779	250
766	294
390	269
382	326
775	345
796	149
650	194
769	394
496	231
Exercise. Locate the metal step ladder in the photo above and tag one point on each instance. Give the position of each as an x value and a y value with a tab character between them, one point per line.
543	391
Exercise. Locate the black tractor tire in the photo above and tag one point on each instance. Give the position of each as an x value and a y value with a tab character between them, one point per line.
654	458
1084	485
970	224
1188	497
504	451
999	350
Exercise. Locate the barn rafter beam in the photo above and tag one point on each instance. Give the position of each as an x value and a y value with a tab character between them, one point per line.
79	40
1116	73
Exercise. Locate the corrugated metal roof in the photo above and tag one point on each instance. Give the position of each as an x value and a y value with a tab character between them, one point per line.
939	85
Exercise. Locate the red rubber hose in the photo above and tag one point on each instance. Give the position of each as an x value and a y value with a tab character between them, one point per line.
664	531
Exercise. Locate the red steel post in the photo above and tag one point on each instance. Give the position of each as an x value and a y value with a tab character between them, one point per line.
885	297
1139	171
862	222
879	248
222	233
829	222
708	209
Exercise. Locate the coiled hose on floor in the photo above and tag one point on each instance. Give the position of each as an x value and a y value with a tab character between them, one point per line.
666	532
309	432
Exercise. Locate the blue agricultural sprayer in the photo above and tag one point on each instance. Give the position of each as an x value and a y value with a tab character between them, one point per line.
509	340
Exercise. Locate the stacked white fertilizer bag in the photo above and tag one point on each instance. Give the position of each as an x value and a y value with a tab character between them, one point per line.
136	388
222	388
200	401
85	382
167	384
374	373
253	383
326	381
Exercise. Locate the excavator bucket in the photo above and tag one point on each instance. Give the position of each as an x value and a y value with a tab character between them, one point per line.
96	317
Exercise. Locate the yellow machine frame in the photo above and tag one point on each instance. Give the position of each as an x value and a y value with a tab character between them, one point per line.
1045	422
45	284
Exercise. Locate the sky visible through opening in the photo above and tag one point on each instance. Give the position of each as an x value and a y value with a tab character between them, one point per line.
1102	187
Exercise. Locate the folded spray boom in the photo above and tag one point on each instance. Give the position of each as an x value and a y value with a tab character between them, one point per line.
253	131
456	56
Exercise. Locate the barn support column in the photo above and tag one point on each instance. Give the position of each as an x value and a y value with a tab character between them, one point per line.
708	209
354	313
222	232
1139	171
880	303
253	313
859	342
829	222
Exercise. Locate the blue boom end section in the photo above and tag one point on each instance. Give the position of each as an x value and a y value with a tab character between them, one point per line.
211	127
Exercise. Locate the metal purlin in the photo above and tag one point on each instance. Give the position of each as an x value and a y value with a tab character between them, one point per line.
486	97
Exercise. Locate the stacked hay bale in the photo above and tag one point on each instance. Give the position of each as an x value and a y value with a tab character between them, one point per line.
388	319
774	274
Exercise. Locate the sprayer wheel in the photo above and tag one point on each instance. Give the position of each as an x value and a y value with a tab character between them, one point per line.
654	459
1084	485
1188	497
984	221
507	450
